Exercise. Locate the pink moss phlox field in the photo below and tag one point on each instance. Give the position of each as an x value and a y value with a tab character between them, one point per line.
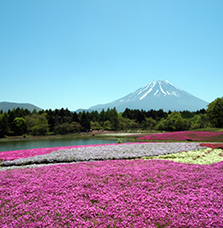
16	154
116	193
182	135
212	145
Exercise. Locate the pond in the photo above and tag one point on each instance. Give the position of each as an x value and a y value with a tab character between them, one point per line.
43	143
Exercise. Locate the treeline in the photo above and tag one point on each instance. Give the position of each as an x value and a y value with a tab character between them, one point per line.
59	121
62	121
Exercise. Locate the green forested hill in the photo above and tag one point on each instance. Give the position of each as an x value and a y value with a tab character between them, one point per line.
5	106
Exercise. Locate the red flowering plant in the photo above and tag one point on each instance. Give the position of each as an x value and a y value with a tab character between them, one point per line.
213	145
185	135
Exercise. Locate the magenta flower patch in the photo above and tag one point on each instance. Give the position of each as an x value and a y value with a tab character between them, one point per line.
212	145
183	135
117	193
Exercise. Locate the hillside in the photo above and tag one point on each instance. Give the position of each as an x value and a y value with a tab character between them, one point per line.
5	106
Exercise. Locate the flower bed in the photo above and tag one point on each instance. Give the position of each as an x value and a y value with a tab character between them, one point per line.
117	193
108	152
202	156
186	135
15	154
213	145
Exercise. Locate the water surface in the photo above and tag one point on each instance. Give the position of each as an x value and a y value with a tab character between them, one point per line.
42	143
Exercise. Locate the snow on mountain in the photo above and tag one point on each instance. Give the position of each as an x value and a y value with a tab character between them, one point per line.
155	88
156	95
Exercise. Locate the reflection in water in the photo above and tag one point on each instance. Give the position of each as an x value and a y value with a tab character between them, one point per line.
43	143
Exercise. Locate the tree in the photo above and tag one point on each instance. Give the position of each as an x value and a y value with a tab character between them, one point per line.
75	126
85	122
133	125
215	112
3	124
124	123
95	125
102	116
144	125
151	123
127	113
140	116
51	120
37	124
115	123
75	118
107	125
161	114
19	126
179	124
94	115
11	117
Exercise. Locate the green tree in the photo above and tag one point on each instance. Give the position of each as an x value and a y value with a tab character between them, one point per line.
19	126
144	125
94	115
215	112
95	125
124	123
85	122
174	122
133	125
115	123
179	124
75	118
37	124
107	125
51	120
140	116
186	124
151	123
4	126
75	126
102	116
127	113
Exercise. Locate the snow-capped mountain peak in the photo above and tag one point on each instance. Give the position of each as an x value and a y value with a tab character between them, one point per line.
156	95
154	88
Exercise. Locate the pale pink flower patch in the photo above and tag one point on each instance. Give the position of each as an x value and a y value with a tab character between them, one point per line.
16	154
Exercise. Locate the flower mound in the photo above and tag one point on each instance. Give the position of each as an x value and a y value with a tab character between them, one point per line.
183	135
117	193
108	152
213	145
15	154
202	156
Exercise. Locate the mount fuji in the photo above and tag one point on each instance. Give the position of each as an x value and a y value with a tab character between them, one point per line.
156	95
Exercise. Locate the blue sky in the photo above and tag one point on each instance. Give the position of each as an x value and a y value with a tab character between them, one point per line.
76	54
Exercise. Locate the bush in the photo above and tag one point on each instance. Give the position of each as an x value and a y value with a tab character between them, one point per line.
119	141
215	112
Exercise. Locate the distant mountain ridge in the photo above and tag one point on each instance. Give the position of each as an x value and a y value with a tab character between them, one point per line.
5	106
156	95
